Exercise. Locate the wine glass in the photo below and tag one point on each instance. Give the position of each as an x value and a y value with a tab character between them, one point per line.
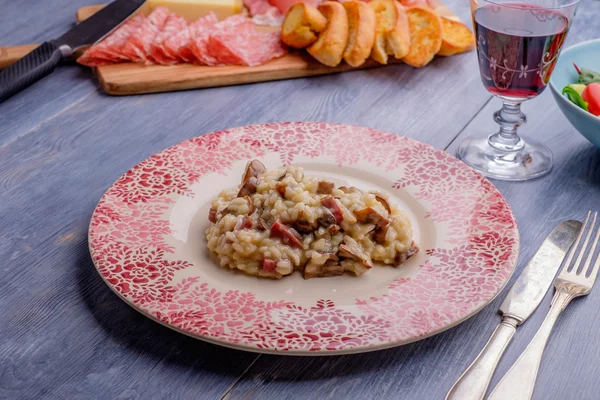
518	44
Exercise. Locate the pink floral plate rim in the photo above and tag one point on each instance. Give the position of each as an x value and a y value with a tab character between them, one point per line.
131	243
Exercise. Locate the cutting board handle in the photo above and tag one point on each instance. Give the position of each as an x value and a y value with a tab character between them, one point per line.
8	55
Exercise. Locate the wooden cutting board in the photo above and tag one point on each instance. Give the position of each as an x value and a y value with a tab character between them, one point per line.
127	78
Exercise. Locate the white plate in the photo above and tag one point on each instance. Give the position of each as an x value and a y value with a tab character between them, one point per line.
147	242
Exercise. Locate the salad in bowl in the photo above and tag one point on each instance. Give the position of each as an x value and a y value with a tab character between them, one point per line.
585	93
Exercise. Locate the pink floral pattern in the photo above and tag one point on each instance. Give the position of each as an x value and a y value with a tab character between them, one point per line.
471	263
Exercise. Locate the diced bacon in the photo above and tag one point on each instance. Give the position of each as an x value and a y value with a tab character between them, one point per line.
138	46
332	205
108	51
269	265
158	52
287	234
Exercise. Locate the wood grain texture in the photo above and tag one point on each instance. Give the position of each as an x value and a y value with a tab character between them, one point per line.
64	334
9	55
126	79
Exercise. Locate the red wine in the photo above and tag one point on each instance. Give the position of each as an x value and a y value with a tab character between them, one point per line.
518	45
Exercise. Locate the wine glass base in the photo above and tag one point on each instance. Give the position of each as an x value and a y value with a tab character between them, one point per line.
531	161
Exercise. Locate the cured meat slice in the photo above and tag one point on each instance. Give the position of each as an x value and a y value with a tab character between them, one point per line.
199	39
244	45
138	45
257	7
158	52
108	51
272	17
180	45
263	13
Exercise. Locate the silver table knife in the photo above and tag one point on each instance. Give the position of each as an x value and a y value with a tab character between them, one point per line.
41	61
520	302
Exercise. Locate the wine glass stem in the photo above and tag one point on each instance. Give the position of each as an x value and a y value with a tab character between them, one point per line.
509	117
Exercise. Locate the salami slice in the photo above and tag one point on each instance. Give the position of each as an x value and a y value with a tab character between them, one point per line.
199	40
108	51
138	45
272	16
158	52
244	45
179	46
257	7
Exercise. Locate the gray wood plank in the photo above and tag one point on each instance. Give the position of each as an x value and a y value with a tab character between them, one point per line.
29	21
67	336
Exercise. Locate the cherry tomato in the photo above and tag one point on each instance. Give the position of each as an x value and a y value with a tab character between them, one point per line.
591	95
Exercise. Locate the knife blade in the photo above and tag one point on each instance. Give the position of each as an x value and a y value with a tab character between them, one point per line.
41	61
524	297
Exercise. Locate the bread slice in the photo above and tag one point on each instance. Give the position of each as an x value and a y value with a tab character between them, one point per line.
301	25
361	32
392	33
456	38
426	36
331	43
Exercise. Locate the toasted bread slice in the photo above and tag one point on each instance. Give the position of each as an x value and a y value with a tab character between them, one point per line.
361	32
456	38
331	43
301	25
392	33
426	36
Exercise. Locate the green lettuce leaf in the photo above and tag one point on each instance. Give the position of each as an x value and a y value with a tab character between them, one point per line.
575	97
588	76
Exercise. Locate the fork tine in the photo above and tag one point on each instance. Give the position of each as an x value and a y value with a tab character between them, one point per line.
583	249
576	244
594	272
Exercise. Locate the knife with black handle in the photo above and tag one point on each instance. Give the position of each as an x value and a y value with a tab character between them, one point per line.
41	61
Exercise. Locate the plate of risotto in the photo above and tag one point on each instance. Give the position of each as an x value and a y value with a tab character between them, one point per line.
304	239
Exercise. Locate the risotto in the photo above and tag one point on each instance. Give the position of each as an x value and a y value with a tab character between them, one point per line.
280	221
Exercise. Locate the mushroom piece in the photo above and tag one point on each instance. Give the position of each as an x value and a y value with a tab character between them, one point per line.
323	265
325	187
326	219
369	215
250	179
287	234
332	204
350	249
280	188
380	233
303	226
383	202
399	258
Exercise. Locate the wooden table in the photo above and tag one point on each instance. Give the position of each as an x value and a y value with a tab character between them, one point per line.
65	335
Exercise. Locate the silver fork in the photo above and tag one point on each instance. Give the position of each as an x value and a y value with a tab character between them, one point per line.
572	281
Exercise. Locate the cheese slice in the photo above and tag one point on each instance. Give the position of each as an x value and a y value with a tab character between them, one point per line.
191	10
